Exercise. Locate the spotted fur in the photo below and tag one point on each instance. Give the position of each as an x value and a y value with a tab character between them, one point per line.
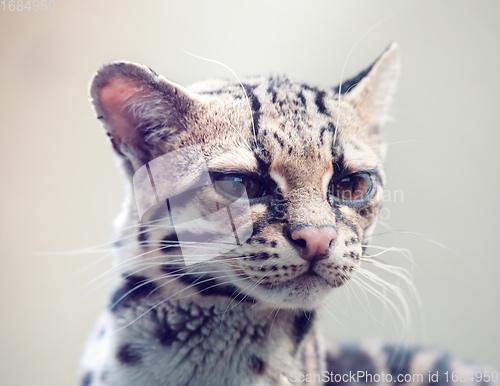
245	316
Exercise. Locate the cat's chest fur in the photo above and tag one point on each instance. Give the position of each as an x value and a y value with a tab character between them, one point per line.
205	344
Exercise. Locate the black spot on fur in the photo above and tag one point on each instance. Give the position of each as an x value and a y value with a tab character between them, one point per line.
258	227
260	256
257	365
134	288
280	141
87	379
274	244
165	334
260	240
302	324
128	355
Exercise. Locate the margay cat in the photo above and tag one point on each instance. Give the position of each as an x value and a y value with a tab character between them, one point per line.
249	202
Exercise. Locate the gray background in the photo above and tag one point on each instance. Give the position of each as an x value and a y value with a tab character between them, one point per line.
60	190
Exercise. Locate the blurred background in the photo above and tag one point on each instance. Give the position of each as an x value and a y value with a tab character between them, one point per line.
61	190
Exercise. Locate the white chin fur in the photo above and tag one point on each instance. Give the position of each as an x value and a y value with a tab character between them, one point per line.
296	295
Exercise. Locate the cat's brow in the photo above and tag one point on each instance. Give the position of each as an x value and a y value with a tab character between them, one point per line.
241	160
354	168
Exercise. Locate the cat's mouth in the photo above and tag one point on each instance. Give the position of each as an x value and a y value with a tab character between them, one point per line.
310	277
307	278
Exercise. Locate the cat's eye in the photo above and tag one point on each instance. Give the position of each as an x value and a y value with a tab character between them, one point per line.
353	187
234	185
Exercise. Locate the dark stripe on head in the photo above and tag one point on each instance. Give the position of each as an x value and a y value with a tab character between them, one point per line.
255	103
302	99
330	128
320	103
263	158
274	94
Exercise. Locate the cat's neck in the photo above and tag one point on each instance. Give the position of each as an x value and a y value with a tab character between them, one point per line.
214	341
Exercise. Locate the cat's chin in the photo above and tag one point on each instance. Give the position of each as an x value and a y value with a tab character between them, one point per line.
306	291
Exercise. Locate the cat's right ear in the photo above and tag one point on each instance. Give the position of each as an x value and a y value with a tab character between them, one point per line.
371	91
139	109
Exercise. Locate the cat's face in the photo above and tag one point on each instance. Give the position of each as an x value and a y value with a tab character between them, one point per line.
265	190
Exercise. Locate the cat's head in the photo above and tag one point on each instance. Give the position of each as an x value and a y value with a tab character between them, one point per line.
266	189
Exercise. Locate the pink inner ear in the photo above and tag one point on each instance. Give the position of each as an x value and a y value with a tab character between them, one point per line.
112	98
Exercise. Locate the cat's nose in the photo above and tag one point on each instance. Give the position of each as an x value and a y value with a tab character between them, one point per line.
314	243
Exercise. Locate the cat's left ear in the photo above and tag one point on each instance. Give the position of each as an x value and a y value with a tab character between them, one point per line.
372	90
139	108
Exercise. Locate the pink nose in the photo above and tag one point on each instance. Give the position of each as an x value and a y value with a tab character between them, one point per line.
317	241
